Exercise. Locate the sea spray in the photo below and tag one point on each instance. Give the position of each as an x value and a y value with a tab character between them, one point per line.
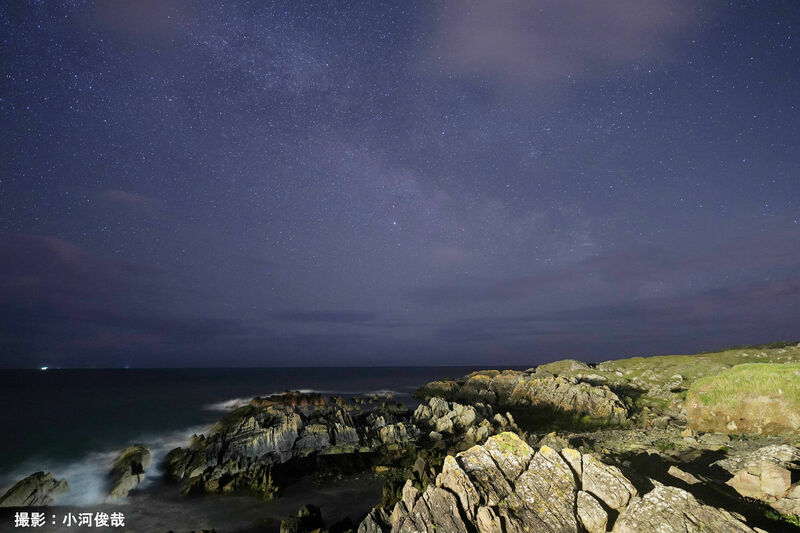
88	476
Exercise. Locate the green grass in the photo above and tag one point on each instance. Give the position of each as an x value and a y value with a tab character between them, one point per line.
754	379
791	519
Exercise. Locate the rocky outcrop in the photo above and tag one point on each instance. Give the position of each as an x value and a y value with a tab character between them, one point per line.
240	451
462	426
540	391
669	509
35	490
506	486
129	470
568	395
307	519
766	474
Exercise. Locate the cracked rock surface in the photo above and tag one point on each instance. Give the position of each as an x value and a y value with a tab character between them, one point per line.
507	486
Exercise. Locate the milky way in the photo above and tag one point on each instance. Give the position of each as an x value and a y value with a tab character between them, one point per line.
383	183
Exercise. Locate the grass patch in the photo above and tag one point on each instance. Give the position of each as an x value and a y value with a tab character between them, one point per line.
727	388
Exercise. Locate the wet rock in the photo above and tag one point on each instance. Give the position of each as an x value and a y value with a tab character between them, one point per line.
129	470
244	450
35	490
307	520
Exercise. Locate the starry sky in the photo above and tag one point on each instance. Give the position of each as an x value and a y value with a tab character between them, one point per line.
293	183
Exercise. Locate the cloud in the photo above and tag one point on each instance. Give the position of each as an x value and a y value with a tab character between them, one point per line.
61	299
633	273
334	317
747	313
45	271
540	41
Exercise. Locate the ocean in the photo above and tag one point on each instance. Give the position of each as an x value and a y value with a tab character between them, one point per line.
73	423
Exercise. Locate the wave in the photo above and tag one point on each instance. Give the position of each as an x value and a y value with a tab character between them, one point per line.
88	476
234	403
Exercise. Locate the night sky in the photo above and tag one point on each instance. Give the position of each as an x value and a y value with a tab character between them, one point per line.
396	183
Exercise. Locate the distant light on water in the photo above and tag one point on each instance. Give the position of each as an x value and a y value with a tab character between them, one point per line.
44	368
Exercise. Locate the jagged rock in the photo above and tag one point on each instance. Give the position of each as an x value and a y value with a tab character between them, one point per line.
307	520
313	438
486	477
574	459
442	389
243	449
766	474
506	487
570	396
606	482
456	480
129	470
553	440
377	521
487	521
437	509
591	514
672	510
511	454
539	390
463	426
35	490
544	496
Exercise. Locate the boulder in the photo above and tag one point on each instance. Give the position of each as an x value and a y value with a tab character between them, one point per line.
308	519
606	482
128	470
591	514
766	475
37	489
672	510
377	521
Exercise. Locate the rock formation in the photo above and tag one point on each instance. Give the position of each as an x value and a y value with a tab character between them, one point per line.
506	486
128	470
766	474
35	490
241	450
534	391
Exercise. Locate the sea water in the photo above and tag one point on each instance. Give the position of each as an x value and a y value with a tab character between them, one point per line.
73	423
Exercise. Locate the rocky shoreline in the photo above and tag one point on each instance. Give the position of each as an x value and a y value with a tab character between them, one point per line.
706	442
